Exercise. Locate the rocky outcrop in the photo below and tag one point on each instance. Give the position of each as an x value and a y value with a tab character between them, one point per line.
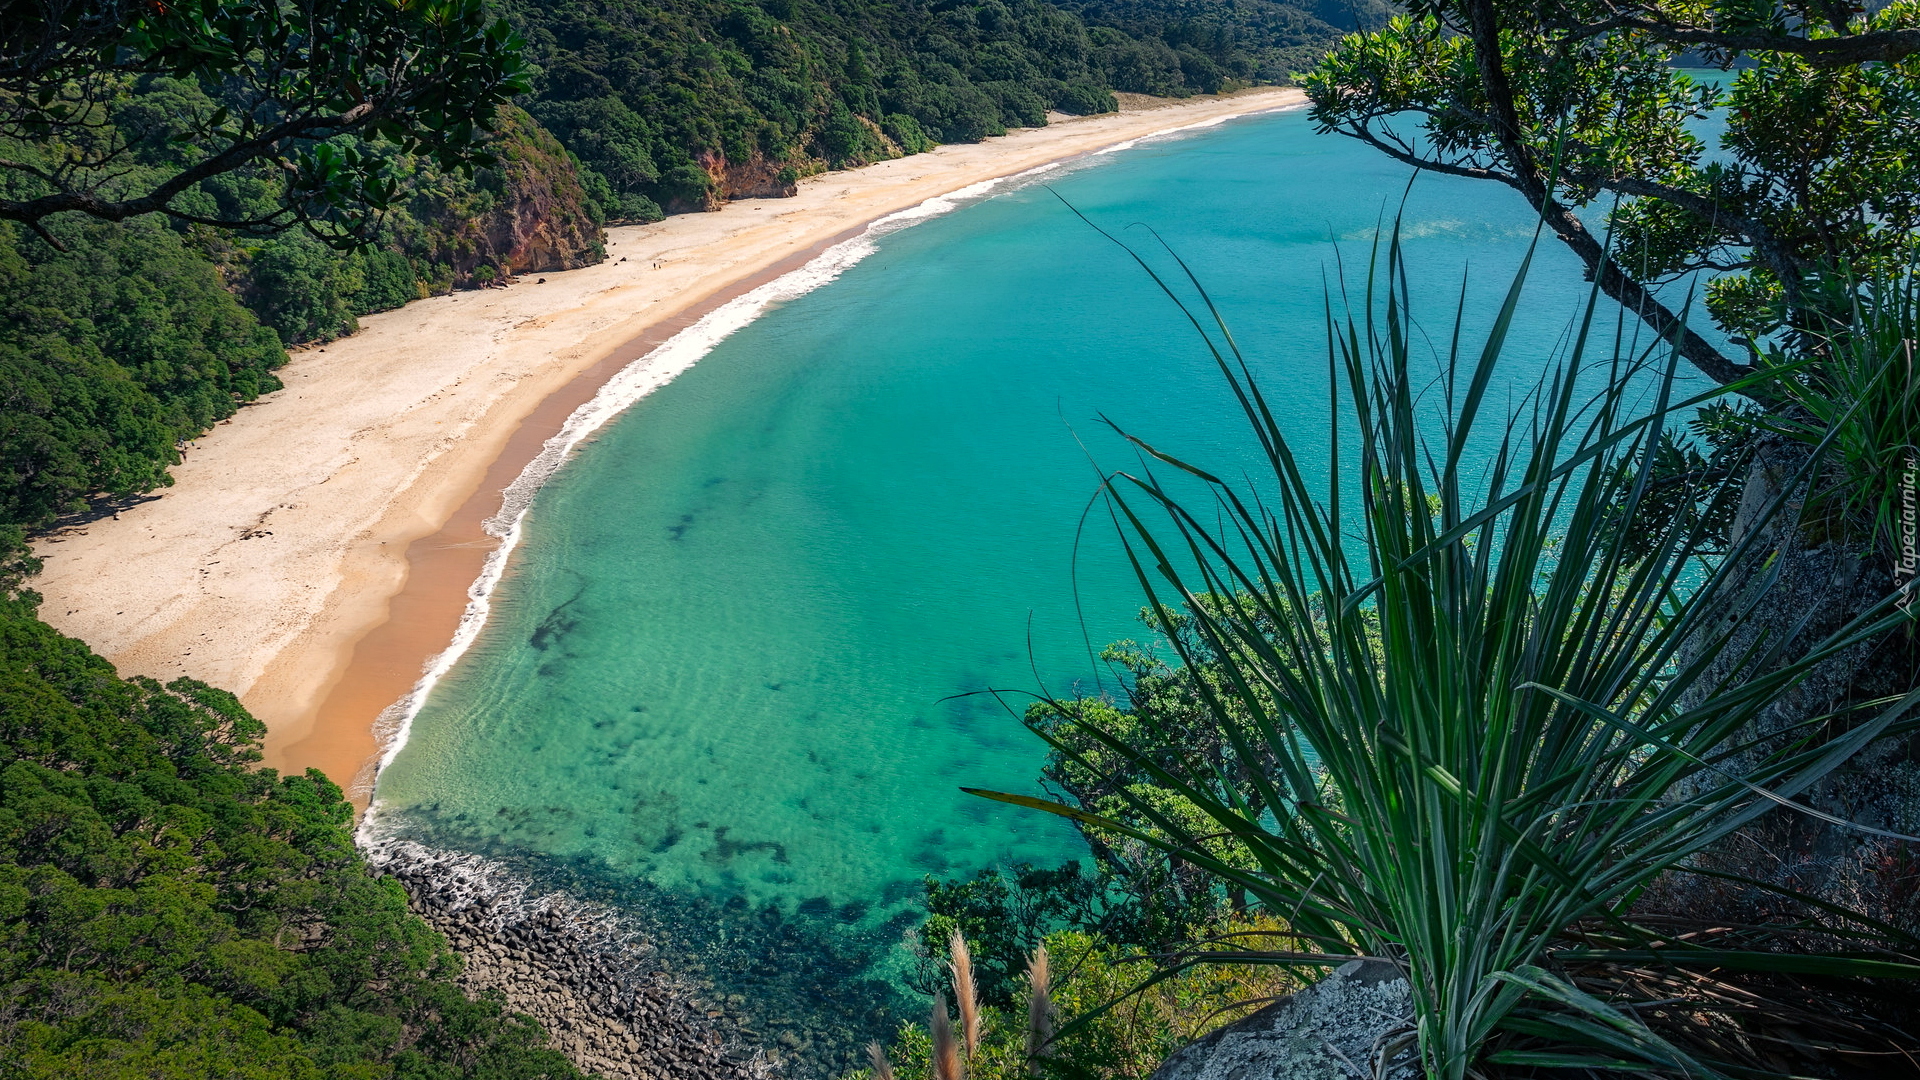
754	178
800	990
1332	1030
573	968
1813	586
528	212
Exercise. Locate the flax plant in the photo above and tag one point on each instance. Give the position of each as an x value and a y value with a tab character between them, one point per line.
1864	394
1467	706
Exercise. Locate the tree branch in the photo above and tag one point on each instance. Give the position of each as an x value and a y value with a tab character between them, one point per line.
33	210
1884	46
1776	256
1358	130
1484	31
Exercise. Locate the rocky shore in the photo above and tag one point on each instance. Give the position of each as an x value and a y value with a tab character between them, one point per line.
798	994
591	982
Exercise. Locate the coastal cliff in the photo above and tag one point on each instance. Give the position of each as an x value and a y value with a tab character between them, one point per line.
754	178
529	212
1808	584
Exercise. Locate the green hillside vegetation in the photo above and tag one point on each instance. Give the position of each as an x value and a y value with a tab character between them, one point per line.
168	909
439	228
1219	43
110	354
137	337
674	106
450	230
140	334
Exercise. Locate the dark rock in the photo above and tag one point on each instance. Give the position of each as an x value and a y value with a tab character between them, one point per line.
564	966
1814	584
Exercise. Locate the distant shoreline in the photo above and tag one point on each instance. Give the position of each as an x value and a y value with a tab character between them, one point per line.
316	551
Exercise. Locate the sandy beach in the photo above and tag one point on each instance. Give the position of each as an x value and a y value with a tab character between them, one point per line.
315	550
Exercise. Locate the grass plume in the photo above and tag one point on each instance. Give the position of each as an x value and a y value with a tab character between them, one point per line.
1039	1008
964	992
946	1051
877	1055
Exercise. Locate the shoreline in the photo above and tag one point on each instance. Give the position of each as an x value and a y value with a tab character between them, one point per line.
317	551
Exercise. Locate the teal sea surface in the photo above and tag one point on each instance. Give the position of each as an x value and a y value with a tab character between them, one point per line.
733	673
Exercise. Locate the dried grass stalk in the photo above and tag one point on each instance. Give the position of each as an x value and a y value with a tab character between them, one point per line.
946	1052
964	993
1039	1008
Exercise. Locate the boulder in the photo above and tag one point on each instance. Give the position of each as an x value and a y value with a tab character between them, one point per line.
1327	1031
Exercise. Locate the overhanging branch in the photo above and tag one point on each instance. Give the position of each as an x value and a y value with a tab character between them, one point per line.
1398	152
1882	46
32	211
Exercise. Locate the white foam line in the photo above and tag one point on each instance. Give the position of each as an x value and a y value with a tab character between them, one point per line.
1197	125
632	383
635	381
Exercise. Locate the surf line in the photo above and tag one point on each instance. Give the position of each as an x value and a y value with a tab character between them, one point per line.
1188	129
627	387
650	372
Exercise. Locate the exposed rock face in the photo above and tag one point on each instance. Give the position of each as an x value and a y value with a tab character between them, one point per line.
1329	1031
754	178
1818	584
526	213
573	969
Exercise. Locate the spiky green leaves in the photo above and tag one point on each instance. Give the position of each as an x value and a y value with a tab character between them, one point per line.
1465	712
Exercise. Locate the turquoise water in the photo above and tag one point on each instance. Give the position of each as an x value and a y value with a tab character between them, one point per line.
720	677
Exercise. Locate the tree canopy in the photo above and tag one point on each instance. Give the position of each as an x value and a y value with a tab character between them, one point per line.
314	98
1581	103
672	104
168	909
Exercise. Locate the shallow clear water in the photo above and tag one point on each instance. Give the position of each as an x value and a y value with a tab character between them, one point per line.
722	671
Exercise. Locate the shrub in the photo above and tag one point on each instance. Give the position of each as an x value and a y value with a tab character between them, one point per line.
1127	1032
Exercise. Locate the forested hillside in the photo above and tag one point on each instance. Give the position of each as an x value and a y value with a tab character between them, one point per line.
1221	42
138	335
679	105
169	910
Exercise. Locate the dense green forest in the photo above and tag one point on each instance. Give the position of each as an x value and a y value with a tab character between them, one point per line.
169	909
675	106
1222	42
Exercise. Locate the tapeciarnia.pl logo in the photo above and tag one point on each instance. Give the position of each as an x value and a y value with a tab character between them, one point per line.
1907	567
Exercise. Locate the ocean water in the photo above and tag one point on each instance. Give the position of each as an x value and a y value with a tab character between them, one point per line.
734	672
